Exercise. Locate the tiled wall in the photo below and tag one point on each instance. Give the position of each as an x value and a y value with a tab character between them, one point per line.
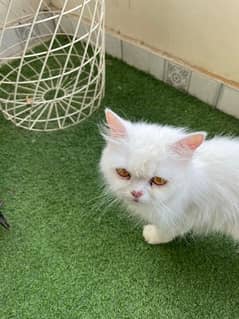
208	89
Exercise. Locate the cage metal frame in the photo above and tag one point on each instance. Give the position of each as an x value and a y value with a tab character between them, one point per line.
52	99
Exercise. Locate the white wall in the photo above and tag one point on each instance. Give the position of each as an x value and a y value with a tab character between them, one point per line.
202	33
19	9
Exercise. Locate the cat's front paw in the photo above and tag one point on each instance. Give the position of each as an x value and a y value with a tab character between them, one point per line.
153	236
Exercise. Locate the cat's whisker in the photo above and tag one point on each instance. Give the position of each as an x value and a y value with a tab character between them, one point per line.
106	208
96	198
103	203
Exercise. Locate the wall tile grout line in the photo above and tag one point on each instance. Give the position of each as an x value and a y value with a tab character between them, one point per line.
189	81
164	69
219	94
121	50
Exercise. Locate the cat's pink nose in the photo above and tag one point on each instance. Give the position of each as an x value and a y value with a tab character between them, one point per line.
137	194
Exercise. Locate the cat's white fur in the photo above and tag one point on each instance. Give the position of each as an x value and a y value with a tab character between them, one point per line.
202	192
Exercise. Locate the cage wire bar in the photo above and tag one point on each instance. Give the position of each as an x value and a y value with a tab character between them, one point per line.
52	61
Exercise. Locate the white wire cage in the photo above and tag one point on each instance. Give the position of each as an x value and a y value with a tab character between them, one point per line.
52	61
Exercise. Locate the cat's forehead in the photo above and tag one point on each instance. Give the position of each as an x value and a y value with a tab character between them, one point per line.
147	142
141	158
147	147
143	162
151	137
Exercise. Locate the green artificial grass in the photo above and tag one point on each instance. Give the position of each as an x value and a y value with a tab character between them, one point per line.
64	258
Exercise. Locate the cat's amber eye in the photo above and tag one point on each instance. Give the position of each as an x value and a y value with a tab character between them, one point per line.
159	181
122	172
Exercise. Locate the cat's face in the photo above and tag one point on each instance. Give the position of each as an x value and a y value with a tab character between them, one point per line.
144	164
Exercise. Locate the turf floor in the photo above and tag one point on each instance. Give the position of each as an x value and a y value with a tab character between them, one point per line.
66	258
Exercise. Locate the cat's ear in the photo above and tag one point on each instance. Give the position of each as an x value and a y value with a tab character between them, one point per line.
116	124
188	144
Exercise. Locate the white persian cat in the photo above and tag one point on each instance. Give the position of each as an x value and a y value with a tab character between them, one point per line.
175	181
